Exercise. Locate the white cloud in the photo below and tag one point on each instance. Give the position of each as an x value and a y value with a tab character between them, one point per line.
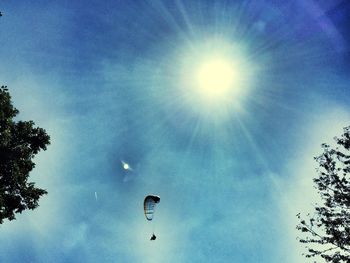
75	235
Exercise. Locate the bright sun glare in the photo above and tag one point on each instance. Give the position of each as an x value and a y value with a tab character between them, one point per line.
215	77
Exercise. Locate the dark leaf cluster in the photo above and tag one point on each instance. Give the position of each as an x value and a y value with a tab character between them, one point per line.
19	143
328	229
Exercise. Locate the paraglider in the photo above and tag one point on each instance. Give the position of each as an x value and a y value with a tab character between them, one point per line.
148	207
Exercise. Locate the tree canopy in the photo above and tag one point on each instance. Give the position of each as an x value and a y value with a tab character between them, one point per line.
20	141
327	231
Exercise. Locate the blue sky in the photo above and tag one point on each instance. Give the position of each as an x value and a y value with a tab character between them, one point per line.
110	82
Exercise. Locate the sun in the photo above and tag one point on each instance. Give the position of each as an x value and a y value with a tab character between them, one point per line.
215	77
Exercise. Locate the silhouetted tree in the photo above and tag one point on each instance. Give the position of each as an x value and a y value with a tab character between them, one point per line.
328	230
19	143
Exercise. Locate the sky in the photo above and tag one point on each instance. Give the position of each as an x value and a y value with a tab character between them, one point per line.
117	82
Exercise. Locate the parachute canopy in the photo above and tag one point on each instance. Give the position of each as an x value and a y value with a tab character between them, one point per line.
149	205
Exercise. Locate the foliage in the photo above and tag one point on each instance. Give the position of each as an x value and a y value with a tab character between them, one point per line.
328	230
19	143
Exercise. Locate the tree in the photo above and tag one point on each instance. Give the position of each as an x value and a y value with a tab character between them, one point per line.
328	230
19	143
